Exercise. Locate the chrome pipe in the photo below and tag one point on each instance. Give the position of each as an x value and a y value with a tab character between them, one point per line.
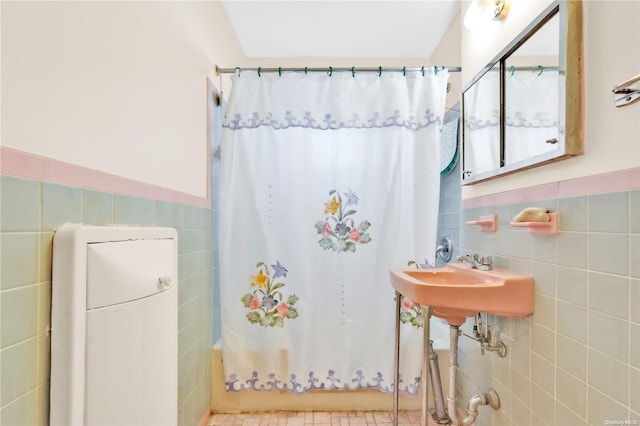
453	367
427	311
396	361
489	397
440	415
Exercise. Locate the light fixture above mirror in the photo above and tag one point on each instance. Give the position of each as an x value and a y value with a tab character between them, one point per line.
481	11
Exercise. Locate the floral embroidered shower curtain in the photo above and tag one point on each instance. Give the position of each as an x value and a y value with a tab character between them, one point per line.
326	183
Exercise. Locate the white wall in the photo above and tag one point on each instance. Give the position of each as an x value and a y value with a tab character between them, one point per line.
118	87
611	56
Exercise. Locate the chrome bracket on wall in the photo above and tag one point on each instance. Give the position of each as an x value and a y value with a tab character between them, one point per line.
627	93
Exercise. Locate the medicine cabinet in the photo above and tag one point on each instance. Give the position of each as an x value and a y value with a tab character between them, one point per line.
526	107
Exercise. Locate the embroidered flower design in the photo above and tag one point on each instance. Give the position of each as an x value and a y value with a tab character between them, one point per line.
410	313
267	305
338	229
259	279
332	206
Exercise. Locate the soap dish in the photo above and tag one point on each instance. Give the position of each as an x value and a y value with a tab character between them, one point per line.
551	227
487	223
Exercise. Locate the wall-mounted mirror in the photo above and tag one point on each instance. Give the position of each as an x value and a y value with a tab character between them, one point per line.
525	108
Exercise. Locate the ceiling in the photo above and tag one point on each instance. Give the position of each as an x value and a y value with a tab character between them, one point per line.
336	29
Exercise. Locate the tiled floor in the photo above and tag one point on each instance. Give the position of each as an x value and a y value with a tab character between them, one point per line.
325	418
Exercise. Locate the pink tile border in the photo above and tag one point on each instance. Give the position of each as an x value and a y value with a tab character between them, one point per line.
26	165
621	180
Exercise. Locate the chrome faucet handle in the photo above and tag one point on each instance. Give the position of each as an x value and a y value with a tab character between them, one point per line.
485	260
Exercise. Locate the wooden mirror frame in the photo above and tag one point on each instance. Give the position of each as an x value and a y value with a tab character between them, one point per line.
571	111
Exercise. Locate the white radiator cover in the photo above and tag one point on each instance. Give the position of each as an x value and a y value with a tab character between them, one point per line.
114	319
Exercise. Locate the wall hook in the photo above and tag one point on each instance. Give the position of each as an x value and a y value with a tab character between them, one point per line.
627	93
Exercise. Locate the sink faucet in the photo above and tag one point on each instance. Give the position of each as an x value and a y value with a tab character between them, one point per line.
477	262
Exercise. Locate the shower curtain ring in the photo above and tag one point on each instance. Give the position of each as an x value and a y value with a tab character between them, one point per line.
540	69
259	70
379	71
404	71
279	71
423	70
330	71
353	72
435	70
306	69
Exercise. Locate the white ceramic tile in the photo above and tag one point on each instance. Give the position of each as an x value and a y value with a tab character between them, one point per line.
521	413
609	376
572	285
22	411
634	389
544	405
572	249
609	294
60	204
572	357
545	311
564	416
634	299
634	255
97	207
604	410
18	369
608	212
634	344
544	275
634	209
520	359
520	243
609	253
19	254
125	210
543	248
572	321
609	335
573	213
45	256
19	315
543	342
571	392
19	204
543	374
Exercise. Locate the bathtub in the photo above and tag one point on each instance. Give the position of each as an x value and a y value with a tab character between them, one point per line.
321	400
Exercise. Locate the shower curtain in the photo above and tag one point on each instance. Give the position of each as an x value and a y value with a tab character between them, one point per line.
531	113
327	181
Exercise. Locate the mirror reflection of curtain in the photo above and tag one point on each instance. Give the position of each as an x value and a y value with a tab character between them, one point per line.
326	183
482	124
531	113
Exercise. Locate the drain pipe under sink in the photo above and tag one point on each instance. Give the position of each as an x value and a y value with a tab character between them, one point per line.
489	397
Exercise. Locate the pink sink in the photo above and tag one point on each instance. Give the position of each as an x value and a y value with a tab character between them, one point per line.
457	291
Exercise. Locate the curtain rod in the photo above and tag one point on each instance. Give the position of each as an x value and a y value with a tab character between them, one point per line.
330	70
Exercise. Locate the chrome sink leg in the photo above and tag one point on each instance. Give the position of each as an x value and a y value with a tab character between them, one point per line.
396	361
425	381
